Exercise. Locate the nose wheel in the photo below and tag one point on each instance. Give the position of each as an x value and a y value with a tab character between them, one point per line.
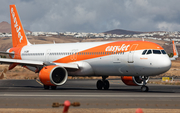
103	83
144	88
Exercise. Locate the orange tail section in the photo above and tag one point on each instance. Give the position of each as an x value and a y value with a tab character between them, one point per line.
19	38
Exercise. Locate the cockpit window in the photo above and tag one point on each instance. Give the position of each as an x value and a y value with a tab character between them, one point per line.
163	52
153	52
149	52
156	52
144	52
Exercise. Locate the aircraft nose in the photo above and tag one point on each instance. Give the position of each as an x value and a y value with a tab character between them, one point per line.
165	64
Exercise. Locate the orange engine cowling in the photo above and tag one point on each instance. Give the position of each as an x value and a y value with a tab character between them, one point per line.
133	80
53	75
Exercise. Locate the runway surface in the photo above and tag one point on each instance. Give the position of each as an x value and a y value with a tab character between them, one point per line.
30	94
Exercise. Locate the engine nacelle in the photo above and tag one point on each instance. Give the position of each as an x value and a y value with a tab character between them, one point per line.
133	80
53	75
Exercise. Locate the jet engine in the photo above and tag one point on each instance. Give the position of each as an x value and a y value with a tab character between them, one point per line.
53	75
134	80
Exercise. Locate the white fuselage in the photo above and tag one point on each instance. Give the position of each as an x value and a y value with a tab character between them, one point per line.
98	62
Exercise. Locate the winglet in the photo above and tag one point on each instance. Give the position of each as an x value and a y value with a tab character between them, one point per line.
175	52
19	38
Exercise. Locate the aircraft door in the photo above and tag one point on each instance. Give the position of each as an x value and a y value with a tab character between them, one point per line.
131	53
74	53
47	54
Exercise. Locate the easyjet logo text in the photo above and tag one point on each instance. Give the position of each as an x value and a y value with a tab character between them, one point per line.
17	27
123	47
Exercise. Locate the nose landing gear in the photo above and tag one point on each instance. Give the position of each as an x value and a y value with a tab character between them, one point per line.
103	83
144	88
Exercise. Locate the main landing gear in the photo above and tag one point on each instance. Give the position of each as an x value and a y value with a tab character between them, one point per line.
103	83
52	87
144	88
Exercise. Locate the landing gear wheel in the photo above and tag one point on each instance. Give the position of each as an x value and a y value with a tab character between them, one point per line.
99	84
103	84
144	89
106	84
53	87
46	87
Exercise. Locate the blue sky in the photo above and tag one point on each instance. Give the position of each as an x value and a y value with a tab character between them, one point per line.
95	15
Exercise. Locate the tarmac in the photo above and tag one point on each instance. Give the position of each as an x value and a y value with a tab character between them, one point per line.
30	94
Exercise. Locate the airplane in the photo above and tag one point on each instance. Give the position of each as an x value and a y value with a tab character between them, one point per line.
133	61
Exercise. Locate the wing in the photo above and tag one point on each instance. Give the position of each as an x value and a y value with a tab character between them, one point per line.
2	52
37	63
21	62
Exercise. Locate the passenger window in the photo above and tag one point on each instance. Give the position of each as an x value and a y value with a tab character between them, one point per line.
156	52
144	52
163	52
149	52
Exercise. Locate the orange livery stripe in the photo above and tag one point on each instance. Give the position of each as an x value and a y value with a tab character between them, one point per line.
109	49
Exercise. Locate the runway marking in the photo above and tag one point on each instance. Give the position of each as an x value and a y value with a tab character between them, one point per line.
39	82
139	96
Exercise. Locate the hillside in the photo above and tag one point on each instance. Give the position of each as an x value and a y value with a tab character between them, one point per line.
5	27
6	42
121	31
